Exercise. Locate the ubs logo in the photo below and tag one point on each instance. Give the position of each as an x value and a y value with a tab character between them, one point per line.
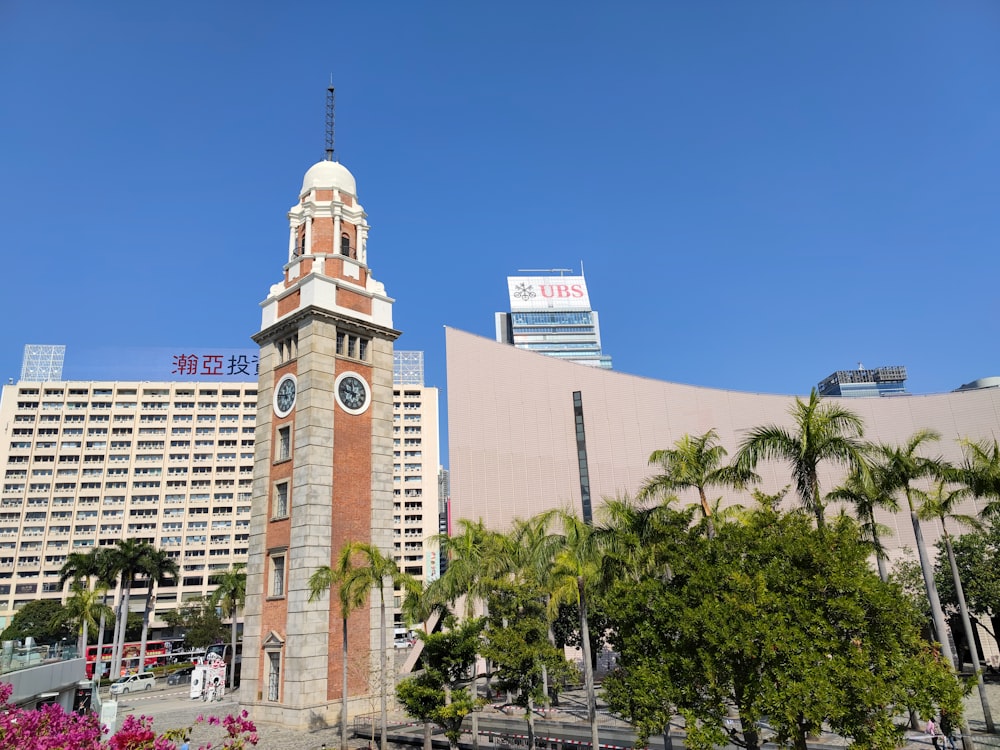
524	291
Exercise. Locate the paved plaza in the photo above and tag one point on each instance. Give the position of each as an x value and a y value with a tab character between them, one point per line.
171	708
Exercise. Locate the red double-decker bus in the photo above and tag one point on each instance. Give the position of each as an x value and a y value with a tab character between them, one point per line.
157	652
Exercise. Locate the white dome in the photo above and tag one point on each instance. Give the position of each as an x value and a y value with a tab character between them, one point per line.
329	175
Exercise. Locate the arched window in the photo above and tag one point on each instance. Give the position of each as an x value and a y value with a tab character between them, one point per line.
345	244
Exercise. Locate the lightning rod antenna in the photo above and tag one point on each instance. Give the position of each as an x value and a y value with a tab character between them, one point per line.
330	102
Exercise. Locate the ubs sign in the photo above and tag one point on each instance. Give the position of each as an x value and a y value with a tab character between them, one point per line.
547	293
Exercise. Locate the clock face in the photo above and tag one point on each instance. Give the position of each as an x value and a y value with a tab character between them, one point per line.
284	396
352	392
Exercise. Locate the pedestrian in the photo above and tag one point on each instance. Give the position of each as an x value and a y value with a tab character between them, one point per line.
948	729
186	745
932	732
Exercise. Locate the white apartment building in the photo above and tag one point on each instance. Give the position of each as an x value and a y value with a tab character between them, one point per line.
416	461
88	463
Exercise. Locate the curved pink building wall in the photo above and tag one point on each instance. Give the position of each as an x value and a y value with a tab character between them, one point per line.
512	441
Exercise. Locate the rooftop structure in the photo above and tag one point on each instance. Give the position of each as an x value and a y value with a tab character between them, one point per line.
43	362
862	382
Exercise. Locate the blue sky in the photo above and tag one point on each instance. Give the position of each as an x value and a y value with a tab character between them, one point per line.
761	193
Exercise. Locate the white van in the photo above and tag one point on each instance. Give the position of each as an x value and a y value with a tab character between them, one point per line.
133	683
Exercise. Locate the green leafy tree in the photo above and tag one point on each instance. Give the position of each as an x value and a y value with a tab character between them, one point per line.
436	695
694	463
198	621
230	595
41	619
566	627
516	641
780	620
977	555
823	432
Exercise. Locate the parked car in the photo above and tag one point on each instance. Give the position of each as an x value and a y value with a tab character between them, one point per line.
132	683
181	677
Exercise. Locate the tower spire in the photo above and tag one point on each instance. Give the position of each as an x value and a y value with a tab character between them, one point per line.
330	101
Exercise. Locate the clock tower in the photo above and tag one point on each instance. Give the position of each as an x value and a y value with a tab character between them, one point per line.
323	461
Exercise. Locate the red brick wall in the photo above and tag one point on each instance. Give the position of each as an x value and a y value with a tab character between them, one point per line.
352	470
291	302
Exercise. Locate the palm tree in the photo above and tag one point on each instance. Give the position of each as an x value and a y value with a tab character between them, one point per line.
694	463
898	467
80	567
352	594
632	538
530	550
159	568
823	432
575	573
83	609
866	493
125	560
475	558
231	594
377	571
980	472
941	504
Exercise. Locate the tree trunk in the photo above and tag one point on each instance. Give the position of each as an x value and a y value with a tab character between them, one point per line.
967	626
588	670
531	723
883	571
427	736
474	694
232	652
706	510
383	658
145	626
932	595
750	735
343	687
121	617
100	642
82	643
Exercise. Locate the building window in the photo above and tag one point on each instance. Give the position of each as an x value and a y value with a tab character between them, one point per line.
340	343
345	244
280	500
277	589
273	674
284	443
288	349
363	350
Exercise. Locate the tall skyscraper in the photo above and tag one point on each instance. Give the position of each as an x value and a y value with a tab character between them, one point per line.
324	456
552	315
880	381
